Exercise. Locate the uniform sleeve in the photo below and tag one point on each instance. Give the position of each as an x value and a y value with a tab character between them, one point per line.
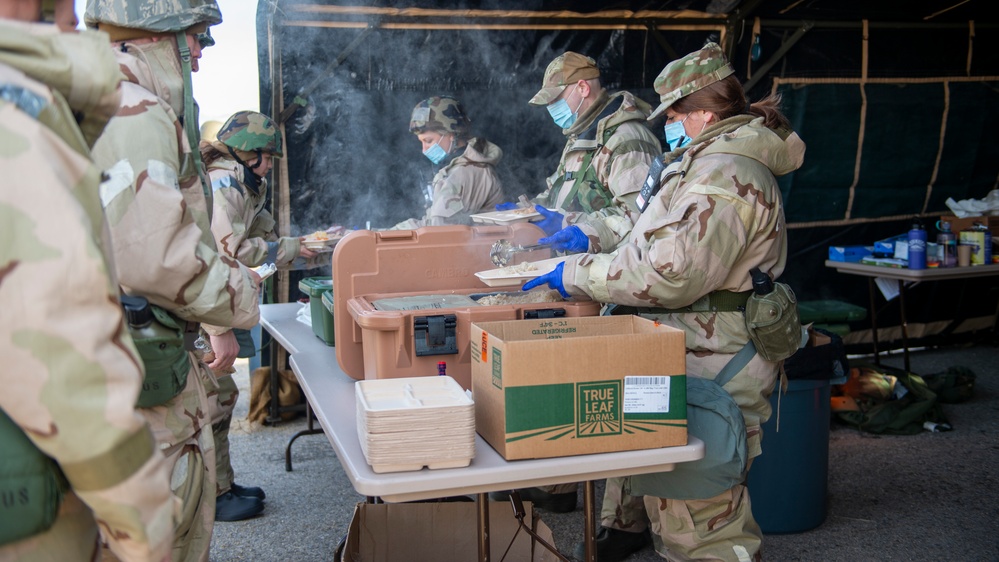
71	374
622	166
160	250
705	239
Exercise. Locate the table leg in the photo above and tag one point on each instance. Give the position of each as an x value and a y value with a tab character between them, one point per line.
871	289
311	431
590	523
482	502
274	409
905	324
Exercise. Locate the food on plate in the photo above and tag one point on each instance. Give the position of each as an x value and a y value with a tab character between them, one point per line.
526	297
519	268
318	236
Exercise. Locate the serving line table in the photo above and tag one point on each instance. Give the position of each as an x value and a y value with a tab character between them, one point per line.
331	393
900	276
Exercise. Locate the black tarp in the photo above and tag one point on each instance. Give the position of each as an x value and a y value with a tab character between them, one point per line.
924	114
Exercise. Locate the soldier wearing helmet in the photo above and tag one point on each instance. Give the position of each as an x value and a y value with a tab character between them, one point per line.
466	181
237	161
76	454
157	209
710	215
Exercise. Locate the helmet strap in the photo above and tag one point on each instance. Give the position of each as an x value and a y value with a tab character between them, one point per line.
190	118
249	176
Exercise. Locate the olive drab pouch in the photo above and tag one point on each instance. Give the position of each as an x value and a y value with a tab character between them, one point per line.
714	418
773	322
159	339
31	485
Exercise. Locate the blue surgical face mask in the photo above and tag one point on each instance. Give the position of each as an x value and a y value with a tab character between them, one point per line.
676	135
435	153
561	113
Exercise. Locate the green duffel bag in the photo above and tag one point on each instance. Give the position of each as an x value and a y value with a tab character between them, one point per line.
31	485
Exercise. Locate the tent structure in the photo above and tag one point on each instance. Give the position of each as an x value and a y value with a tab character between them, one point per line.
897	101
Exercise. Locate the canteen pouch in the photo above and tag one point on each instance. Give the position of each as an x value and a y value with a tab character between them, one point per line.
773	323
31	485
715	418
159	339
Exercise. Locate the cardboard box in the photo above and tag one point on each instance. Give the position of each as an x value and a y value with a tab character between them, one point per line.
957	225
571	386
405	532
849	253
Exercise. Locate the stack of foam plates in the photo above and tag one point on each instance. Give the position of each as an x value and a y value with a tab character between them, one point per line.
409	423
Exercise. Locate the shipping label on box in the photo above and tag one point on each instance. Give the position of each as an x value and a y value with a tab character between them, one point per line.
568	386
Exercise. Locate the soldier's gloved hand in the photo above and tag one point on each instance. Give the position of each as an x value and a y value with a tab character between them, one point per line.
506	206
552	222
553	279
570	239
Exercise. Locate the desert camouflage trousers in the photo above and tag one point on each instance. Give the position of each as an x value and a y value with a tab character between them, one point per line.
718	528
183	433
222	401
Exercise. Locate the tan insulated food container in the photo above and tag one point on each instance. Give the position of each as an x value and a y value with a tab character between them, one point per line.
574	386
370	266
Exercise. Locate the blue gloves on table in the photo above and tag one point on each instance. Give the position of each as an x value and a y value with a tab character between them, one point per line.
553	279
570	239
552	222
506	206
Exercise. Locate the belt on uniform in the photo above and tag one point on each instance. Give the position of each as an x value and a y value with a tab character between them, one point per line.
717	301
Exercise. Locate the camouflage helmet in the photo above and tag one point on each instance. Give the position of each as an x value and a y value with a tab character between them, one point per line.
250	131
567	68
156	16
440	113
689	74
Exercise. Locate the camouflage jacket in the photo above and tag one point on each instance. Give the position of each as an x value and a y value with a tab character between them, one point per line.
243	228
72	373
614	135
468	184
157	212
717	215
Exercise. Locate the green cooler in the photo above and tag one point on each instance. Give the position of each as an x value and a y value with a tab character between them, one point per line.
322	319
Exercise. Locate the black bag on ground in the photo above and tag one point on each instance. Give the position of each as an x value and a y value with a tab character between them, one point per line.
823	358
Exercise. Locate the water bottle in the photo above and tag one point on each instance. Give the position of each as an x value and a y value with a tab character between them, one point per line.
917	247
948	244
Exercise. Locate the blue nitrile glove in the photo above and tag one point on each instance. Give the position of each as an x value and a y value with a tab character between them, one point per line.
552	222
553	279
570	239
506	206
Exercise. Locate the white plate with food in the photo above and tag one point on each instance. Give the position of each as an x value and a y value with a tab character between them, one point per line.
508	217
517	274
322	241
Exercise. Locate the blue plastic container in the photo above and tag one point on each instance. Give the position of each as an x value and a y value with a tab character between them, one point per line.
788	482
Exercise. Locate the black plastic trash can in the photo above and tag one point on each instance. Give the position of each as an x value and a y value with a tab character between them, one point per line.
788	482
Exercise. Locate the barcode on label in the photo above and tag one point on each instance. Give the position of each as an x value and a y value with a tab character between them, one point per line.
646	380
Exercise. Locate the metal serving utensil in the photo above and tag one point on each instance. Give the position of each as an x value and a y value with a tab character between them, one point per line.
503	250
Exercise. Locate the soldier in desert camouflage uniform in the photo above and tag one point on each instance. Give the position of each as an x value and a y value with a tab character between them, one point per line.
467	182
715	214
157	209
237	159
71	372
606	158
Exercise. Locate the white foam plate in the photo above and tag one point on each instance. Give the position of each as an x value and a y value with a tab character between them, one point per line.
514	274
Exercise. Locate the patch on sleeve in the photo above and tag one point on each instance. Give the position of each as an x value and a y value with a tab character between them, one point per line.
163	174
119	177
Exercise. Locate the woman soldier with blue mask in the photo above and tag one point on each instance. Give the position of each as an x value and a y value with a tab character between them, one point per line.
465	180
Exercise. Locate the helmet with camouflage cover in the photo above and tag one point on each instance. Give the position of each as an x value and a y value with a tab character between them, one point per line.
154	16
442	114
250	131
689	74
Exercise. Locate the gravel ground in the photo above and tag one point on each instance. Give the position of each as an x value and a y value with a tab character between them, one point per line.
928	497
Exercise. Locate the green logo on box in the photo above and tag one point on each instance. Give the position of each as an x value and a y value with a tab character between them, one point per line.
599	408
497	368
